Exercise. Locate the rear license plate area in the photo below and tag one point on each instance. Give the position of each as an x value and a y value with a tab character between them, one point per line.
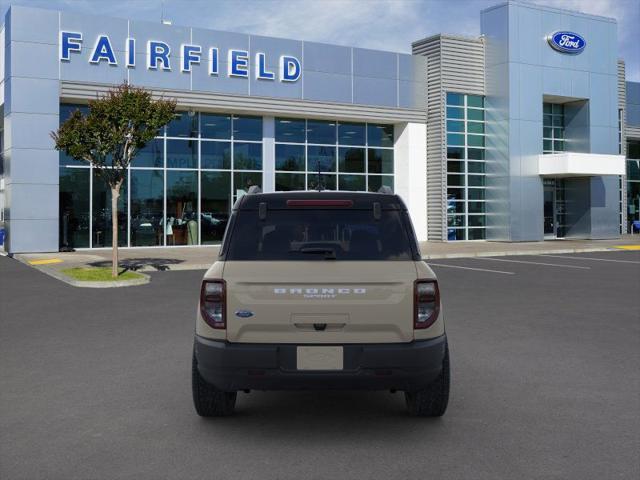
320	358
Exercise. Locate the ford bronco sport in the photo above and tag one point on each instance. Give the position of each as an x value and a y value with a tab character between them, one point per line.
320	290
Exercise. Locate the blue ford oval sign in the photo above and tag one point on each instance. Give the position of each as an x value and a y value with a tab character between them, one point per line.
244	313
567	42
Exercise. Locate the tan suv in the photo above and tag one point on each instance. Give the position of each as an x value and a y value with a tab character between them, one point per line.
320	290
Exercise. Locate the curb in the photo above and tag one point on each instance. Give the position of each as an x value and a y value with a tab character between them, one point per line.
518	252
85	284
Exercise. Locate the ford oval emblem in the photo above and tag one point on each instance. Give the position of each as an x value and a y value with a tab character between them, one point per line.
567	42
244	313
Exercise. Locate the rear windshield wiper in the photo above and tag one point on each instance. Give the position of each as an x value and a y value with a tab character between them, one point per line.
330	253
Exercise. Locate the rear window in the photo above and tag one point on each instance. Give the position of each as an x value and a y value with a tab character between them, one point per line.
320	235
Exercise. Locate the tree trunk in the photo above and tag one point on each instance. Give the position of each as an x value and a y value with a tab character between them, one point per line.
115	193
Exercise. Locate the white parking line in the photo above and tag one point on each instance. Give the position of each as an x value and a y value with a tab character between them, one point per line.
531	263
591	258
469	268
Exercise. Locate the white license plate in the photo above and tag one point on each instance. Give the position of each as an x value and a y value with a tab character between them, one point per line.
320	358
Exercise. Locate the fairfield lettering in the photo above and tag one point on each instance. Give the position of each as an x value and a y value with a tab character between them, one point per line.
160	57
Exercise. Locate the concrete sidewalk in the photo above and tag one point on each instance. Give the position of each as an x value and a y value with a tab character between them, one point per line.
200	258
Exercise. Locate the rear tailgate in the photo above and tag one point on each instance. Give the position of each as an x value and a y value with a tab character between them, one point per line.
320	302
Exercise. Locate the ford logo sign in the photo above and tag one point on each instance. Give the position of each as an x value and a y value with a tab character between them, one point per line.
244	313
567	42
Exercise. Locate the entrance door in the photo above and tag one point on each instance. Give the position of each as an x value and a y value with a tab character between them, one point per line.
554	208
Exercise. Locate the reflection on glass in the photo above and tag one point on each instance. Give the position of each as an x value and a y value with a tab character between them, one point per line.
475	140
321	182
182	153
455	139
455	98
215	126
355	183
101	215
66	109
290	130
351	133
323	158
380	135
182	208
377	181
456	234
215	205
247	128
290	157
455	167
146	207
215	155
289	181
351	160
475	127
477	115
184	124
455	180
475	101
242	181
455	126
151	155
320	131
455	193
475	154
380	161
476	234
247	156
74	207
455	152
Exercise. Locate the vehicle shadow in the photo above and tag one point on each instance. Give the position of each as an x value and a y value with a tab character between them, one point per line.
159	264
322	416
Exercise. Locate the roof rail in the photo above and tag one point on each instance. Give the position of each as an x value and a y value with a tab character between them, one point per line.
254	189
386	190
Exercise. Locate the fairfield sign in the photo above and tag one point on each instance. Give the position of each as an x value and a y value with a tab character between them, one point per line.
159	56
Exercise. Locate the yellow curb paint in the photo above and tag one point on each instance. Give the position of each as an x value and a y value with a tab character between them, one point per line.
628	247
47	261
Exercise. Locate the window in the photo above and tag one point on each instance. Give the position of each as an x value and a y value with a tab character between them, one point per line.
315	234
189	175
313	154
466	167
553	128
101	228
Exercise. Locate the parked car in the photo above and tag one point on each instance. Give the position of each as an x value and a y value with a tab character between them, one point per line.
320	290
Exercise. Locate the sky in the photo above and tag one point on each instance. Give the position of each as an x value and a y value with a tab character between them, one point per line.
378	24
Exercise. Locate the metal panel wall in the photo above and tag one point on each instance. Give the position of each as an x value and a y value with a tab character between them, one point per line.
454	64
521	69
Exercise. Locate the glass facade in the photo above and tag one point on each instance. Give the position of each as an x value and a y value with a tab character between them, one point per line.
181	186
633	185
332	155
552	128
179	189
466	213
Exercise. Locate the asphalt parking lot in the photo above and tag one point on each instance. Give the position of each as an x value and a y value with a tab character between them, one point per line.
545	357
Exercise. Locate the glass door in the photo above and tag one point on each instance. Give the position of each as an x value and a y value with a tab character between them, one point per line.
549	208
555	208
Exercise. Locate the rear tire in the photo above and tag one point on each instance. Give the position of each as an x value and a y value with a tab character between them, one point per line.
433	400
207	399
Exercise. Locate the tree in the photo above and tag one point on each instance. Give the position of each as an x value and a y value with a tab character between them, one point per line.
117	126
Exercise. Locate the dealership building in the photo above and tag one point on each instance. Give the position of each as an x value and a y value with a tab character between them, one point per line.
525	133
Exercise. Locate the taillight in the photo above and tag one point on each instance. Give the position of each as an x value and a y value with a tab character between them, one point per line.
426	303
212	303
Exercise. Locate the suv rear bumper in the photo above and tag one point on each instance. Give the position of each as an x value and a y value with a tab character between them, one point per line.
252	366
